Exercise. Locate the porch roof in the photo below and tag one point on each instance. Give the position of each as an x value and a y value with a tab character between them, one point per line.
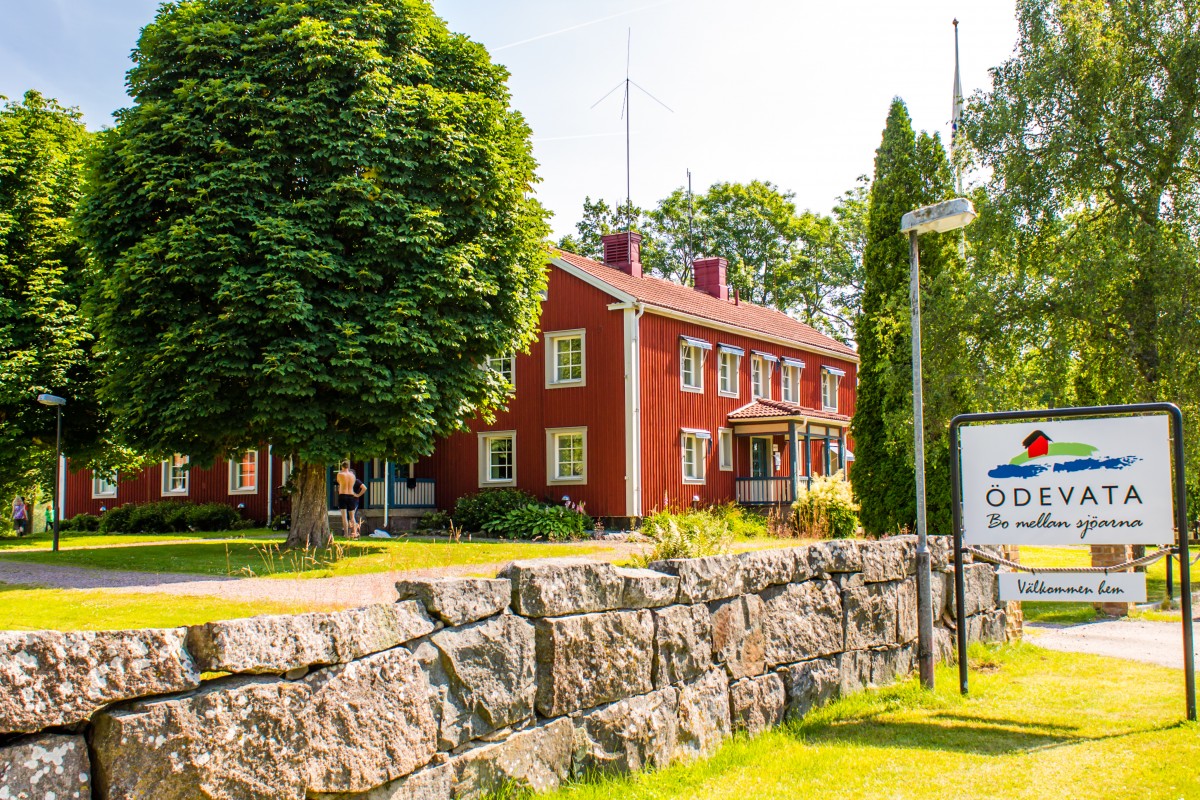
765	409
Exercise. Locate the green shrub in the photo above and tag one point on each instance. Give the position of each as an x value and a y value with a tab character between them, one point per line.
473	511
826	510
83	523
155	518
743	522
686	534
555	523
210	517
116	520
243	525
434	521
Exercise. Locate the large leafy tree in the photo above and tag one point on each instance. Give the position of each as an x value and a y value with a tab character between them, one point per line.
44	339
1090	141
314	225
910	171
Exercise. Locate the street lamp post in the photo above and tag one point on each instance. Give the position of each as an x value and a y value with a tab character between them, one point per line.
939	218
58	403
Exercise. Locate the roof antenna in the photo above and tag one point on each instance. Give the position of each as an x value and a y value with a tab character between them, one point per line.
625	108
689	257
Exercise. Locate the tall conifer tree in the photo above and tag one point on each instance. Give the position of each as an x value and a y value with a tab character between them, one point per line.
910	171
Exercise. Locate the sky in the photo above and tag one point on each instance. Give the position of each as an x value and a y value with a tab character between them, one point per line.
794	92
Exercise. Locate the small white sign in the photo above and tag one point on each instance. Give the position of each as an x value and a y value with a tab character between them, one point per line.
1084	481
1082	587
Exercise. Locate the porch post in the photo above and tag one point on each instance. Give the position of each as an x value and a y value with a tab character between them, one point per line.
387	491
827	440
808	453
794	453
842	453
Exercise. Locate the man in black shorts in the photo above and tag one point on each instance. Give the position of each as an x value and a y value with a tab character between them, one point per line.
347	501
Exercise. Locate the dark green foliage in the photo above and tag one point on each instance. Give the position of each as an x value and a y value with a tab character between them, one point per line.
170	516
1087	251
552	523
910	172
81	523
314	224
434	521
473	511
44	340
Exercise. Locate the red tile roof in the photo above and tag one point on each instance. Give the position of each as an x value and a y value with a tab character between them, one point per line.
664	294
768	409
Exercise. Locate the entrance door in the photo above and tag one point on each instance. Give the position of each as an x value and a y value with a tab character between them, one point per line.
760	457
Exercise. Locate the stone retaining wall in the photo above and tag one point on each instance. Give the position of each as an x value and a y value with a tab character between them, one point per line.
464	685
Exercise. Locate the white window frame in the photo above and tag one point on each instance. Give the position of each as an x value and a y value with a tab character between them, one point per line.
725	449
168	477
791	372
102	487
760	378
830	384
694	350
552	340
495	364
235	466
553	435
699	440
485	463
730	359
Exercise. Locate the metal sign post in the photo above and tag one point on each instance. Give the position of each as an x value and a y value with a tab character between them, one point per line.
1120	491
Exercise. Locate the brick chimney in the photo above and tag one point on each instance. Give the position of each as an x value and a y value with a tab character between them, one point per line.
710	277
623	251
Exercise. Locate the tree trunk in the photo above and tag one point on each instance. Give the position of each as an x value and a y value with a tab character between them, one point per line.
310	517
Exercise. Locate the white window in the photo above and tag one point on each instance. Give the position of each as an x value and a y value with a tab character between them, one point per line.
243	473
566	455
104	484
725	449
505	367
175	475
695	451
830	380
761	365
790	374
729	362
691	363
565	360
285	470
498	458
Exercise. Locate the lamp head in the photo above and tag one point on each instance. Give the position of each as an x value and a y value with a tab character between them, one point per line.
51	400
939	218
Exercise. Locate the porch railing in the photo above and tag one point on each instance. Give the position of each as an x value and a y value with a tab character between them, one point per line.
773	491
420	495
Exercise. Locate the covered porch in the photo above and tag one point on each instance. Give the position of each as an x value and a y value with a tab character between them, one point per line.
781	446
392	490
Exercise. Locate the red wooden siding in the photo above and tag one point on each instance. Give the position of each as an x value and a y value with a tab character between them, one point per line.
209	485
666	408
599	406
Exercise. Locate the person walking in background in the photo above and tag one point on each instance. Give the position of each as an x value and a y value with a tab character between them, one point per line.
49	519
20	516
347	502
360	490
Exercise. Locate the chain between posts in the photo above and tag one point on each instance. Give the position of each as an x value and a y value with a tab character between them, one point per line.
982	555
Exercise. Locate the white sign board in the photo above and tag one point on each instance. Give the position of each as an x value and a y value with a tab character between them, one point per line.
1083	481
1090	587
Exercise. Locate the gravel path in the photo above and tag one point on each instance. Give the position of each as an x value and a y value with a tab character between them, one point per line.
350	590
1153	642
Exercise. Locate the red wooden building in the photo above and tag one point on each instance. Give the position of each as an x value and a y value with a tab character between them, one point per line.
639	394
642	394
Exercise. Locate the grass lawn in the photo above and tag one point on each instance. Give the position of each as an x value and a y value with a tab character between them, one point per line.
1037	725
43	541
266	558
1069	613
28	608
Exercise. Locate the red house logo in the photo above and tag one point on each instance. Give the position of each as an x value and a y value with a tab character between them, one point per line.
1036	444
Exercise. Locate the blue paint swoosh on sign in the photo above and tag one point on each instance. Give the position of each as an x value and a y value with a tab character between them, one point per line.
1017	470
1087	464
